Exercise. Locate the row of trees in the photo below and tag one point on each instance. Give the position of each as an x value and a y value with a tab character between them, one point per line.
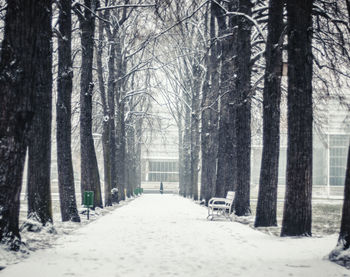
213	60
229	55
94	46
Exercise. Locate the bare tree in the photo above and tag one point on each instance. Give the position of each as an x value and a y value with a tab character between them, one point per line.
297	206
20	55
266	211
90	180
243	109
66	186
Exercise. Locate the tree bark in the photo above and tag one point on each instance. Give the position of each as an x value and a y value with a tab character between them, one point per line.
90	180
210	113
344	235
39	147
19	56
139	123
180	148
243	109
297	207
105	125
187	148
226	171
111	106
66	186
195	146
266	211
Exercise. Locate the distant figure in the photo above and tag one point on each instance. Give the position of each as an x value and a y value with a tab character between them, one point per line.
161	187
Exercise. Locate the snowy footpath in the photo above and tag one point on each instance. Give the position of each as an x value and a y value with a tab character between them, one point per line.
166	235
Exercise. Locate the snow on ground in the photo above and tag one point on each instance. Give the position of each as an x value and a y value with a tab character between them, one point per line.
166	235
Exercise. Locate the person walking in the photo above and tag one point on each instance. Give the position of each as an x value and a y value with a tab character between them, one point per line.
161	187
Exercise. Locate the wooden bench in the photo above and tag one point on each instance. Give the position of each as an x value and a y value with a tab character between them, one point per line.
221	207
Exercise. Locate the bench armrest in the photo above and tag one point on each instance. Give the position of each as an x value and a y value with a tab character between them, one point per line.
216	199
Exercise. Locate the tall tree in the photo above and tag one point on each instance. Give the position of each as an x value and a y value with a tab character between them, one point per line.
195	136
20	56
266	210
120	118
106	122
66	186
90	180
226	170
243	109
210	111
297	207
39	148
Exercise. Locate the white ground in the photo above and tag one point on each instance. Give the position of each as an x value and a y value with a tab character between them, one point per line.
166	235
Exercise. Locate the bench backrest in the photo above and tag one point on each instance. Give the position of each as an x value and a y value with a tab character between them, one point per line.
230	197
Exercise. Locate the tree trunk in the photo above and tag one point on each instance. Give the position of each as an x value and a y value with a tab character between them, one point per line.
266	210
66	186
226	171
210	113
138	143
19	58
243	115
297	206
344	236
39	148
131	157
108	199
180	147
90	180
195	146
111	113
120	124
204	135
187	148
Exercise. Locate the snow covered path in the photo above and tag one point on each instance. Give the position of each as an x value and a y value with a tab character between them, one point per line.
166	235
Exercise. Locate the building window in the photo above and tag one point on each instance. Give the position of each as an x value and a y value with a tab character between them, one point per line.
166	171
338	150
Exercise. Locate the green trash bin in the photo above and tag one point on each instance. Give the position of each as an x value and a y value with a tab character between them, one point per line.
88	201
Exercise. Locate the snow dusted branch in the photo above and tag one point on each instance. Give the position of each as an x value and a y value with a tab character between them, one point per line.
251	19
181	20
127	6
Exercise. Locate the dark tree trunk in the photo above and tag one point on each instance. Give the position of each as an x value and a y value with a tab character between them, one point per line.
204	134
226	170
105	126
267	200
111	110
210	113
130	158
90	180
180	147
120	122
187	148
243	115
344	235
138	144
39	147
111	115
195	146
66	186
297	206
121	155
19	57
